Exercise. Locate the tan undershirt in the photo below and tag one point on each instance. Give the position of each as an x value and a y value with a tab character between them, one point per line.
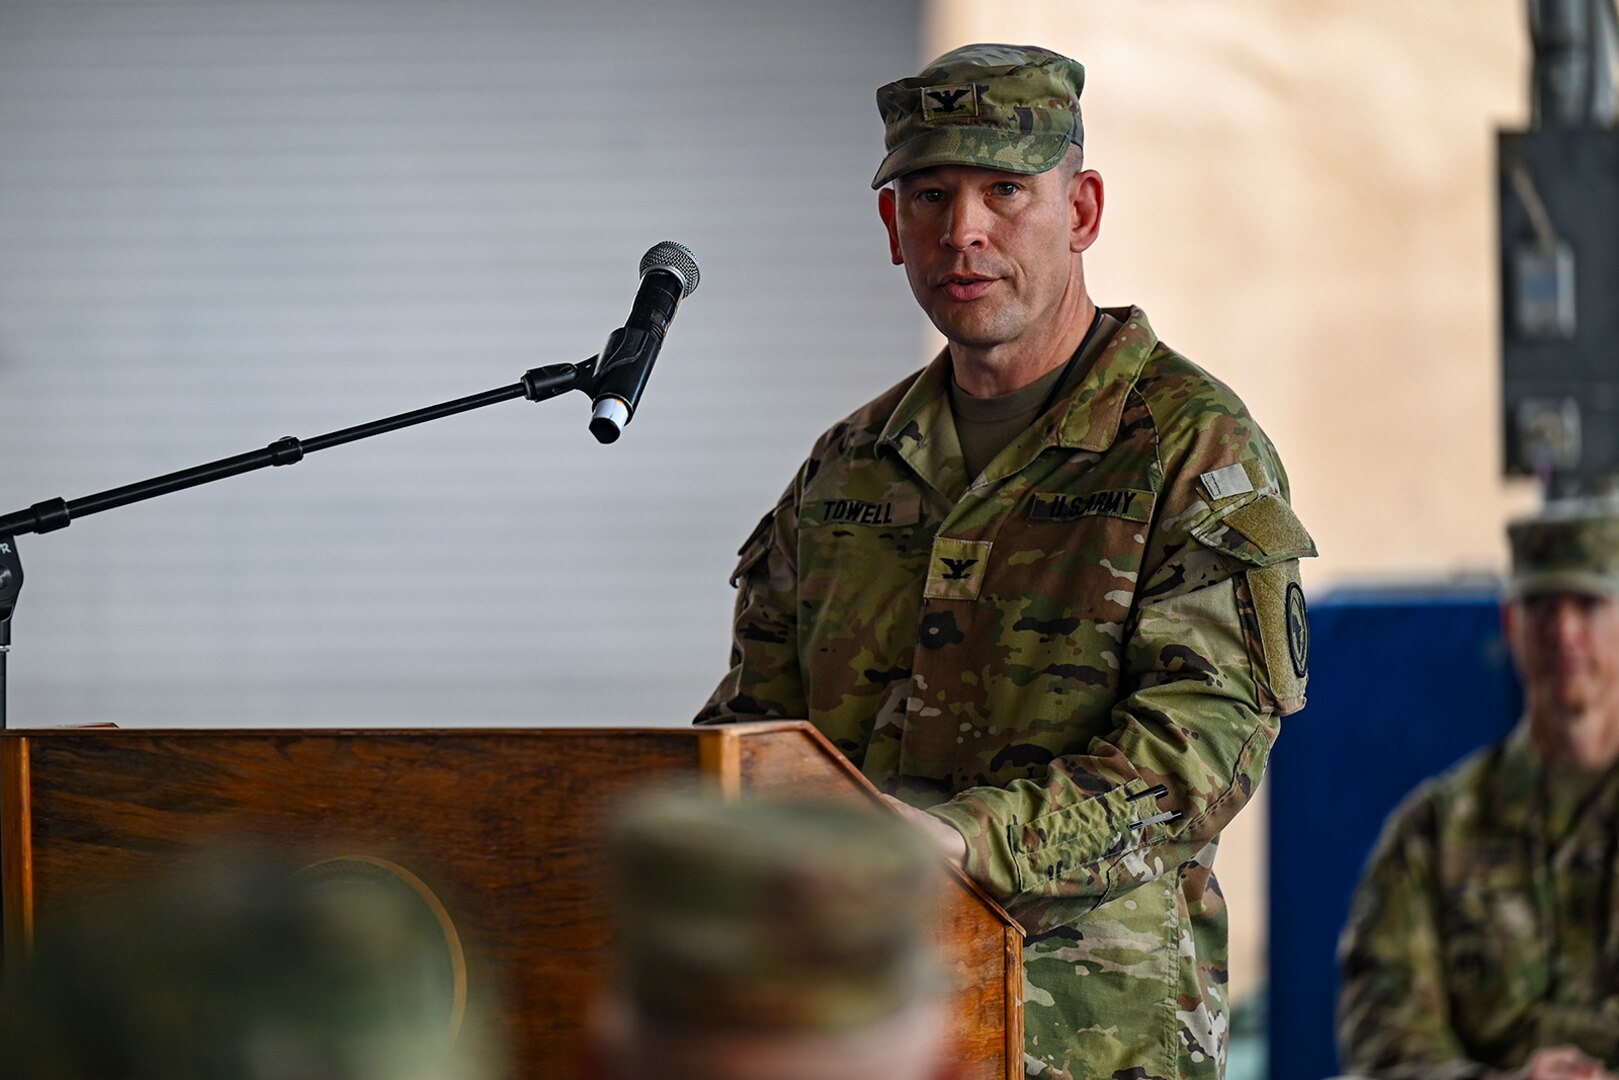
987	425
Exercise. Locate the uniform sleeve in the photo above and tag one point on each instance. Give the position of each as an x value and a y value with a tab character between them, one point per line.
1393	1016
1214	655
763	682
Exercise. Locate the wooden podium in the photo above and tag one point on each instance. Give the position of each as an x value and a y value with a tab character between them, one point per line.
500	829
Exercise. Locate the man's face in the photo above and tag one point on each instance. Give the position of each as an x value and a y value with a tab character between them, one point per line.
1566	646
992	256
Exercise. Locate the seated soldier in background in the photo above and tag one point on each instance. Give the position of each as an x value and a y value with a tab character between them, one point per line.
1484	938
770	941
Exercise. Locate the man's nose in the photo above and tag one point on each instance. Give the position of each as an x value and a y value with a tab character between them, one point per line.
1568	621
967	227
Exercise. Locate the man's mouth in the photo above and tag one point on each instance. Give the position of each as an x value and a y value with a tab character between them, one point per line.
966	286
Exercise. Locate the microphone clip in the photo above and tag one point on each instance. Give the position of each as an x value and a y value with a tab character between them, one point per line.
553	380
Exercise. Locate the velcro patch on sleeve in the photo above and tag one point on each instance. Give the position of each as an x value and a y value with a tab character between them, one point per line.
754	547
757	545
1272	527
1260	532
1284	630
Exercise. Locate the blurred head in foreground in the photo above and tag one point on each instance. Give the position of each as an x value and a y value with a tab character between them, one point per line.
771	941
240	970
1562	621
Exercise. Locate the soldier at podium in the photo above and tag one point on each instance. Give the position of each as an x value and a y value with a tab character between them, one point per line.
1044	592
775	941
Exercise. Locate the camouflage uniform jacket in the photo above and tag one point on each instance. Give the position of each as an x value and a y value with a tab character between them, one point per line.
1478	934
1091	636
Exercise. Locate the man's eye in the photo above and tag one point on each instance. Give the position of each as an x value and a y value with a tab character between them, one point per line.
1540	605
929	195
1006	187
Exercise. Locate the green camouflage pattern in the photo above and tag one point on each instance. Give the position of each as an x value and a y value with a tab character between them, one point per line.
240	968
1570	546
1485	926
790	916
1054	659
1008	107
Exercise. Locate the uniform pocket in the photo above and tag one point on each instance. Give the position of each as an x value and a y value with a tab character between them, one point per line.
1072	554
759	541
1496	958
1261	531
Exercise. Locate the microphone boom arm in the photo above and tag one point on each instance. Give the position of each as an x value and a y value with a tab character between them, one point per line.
618	373
537	384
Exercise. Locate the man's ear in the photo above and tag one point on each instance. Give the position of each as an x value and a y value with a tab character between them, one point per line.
1085	198
885	210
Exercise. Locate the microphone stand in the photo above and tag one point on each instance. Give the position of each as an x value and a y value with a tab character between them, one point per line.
537	384
10	586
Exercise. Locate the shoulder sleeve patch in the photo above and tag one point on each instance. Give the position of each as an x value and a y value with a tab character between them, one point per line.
1262	532
753	549
757	545
1227	482
1283	655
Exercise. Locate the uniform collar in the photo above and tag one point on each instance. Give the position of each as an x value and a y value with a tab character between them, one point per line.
1519	776
922	430
1091	418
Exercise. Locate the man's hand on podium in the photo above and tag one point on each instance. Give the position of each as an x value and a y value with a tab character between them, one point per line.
951	842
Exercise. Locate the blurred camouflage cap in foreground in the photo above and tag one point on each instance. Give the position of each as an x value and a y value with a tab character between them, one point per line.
1570	546
236	969
1010	107
782	916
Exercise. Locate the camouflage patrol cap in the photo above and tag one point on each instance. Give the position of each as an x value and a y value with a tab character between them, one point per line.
788	917
1570	546
1010	107
239	966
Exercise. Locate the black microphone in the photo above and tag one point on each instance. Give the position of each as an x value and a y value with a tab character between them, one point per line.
668	275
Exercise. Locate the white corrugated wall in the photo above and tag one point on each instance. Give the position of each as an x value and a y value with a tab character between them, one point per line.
223	221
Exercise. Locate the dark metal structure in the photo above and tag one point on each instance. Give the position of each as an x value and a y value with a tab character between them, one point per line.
1559	255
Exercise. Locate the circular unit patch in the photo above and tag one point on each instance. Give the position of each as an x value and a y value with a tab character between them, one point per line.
1298	630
